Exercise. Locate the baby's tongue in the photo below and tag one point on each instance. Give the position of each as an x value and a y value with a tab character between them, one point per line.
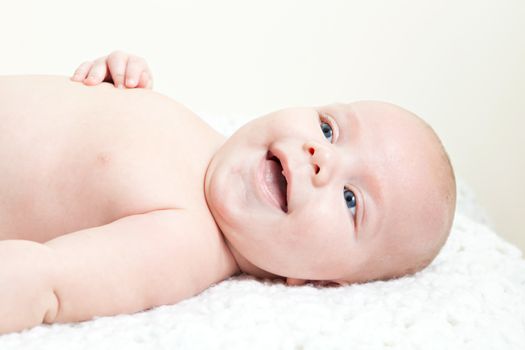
275	181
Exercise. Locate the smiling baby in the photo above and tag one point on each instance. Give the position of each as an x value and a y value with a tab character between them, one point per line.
117	200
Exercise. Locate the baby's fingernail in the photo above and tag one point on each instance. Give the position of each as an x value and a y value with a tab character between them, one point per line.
131	82
120	86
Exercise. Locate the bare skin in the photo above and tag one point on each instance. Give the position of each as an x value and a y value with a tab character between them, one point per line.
117	200
112	181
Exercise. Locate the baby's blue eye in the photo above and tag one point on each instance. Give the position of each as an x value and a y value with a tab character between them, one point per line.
327	131
350	200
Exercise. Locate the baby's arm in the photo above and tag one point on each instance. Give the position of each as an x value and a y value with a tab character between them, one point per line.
132	264
119	68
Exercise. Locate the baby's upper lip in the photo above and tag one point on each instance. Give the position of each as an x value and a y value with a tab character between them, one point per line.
286	172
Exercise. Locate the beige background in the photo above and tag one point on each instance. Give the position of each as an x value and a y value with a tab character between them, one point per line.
458	64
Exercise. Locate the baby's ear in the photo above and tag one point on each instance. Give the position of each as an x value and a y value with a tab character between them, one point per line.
295	281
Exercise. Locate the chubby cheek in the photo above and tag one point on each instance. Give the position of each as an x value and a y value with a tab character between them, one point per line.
319	242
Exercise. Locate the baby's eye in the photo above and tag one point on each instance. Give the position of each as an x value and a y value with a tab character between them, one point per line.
350	200
327	131
329	127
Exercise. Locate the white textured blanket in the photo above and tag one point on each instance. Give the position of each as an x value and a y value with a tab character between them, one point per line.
471	297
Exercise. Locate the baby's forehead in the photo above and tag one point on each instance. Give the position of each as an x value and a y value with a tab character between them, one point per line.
372	110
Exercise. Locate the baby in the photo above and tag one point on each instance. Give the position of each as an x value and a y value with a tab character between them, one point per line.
116	200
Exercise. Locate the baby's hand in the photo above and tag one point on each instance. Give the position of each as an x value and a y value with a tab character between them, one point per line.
119	68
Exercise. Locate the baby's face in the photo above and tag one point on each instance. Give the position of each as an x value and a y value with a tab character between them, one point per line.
344	193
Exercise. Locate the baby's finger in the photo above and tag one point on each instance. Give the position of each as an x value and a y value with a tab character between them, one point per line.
134	69
117	62
145	82
97	73
82	71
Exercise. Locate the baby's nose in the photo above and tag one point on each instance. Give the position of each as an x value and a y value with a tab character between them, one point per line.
323	160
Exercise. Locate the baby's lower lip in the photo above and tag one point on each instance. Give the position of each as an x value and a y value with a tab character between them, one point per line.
262	188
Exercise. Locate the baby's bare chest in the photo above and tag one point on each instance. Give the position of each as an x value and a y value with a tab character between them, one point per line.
66	168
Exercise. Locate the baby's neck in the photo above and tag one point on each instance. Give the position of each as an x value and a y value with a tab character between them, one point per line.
247	267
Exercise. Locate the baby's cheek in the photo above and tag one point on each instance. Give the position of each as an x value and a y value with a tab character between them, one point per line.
301	227
306	231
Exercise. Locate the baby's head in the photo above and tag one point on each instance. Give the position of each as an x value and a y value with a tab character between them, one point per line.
368	193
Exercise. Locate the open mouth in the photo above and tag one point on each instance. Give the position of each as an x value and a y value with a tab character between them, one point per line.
275	181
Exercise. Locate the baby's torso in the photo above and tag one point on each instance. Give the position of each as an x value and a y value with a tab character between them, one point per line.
73	157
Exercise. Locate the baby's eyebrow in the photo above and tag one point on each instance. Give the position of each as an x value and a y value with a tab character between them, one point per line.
351	118
346	119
